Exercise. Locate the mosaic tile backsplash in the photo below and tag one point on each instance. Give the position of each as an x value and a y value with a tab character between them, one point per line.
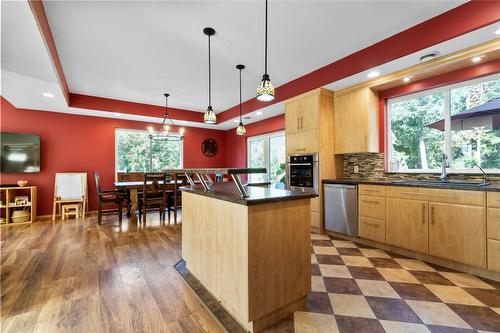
371	166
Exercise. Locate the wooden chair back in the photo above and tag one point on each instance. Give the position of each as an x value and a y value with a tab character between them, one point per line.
97	179
154	183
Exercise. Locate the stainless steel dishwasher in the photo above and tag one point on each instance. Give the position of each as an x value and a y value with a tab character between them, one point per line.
341	208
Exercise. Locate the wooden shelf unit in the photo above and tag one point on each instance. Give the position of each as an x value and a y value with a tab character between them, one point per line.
8	195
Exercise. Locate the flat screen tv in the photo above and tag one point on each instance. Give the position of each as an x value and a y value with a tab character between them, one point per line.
19	153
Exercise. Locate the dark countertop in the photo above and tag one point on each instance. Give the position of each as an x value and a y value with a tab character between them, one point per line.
225	171
256	195
495	187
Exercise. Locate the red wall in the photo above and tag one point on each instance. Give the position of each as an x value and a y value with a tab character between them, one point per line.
459	75
73	143
236	146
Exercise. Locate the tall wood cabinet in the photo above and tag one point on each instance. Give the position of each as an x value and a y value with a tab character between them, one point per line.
356	121
309	129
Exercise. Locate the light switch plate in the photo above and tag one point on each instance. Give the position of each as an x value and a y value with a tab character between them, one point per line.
356	169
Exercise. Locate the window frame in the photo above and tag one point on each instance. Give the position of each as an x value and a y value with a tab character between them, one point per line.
141	131
446	91
267	150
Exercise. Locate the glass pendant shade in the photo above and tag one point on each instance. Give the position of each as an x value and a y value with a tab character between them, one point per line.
210	117
265	90
241	130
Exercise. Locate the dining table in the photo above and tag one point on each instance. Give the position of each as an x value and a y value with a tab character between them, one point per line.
133	187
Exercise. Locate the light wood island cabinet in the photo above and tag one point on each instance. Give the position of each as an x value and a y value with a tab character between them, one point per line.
356	121
251	254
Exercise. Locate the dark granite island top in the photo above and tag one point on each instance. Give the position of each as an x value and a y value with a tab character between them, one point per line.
256	195
494	187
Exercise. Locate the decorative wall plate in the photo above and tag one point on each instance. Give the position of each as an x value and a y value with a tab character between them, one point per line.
209	147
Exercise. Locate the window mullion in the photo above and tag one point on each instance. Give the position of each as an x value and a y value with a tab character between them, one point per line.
447	125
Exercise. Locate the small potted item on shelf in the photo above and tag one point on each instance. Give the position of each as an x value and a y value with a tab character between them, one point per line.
19	216
22	183
21	200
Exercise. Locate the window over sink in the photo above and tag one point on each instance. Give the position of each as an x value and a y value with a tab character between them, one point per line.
460	120
135	152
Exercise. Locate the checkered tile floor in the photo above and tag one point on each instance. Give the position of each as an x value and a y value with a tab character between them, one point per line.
359	289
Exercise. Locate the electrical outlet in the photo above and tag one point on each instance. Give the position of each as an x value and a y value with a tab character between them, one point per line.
356	169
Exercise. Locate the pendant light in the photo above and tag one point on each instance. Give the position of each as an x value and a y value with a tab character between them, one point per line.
165	135
209	116
265	90
241	130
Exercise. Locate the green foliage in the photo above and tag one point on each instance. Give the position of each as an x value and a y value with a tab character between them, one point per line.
133	152
413	142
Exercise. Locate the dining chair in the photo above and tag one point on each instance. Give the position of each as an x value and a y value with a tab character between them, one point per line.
108	197
155	193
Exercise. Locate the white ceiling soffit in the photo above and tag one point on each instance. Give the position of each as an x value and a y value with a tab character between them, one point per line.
136	51
27	71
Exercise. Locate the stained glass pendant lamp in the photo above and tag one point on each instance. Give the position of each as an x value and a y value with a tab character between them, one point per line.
241	130
265	90
209	117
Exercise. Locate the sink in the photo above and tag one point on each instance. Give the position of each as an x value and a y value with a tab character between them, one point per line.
439	183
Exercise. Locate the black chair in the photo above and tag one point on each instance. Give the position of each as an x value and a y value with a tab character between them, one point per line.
110	197
155	193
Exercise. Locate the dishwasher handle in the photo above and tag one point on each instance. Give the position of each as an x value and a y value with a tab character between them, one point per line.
341	186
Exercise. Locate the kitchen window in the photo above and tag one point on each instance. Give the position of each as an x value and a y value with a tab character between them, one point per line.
136	152
421	126
267	151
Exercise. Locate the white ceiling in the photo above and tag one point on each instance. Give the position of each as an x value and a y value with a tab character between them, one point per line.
135	51
27	71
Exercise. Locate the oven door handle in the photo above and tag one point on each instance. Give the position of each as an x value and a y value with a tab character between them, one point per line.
300	164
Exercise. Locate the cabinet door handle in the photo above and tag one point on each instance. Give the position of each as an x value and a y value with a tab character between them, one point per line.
370	201
423	214
432	215
301	122
298	123
368	190
373	225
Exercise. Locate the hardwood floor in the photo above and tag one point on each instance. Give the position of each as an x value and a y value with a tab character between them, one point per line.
78	276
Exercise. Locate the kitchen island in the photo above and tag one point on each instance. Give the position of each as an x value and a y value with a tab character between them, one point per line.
251	253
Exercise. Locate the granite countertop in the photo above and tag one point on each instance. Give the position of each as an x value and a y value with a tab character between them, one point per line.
494	187
225	171
256	195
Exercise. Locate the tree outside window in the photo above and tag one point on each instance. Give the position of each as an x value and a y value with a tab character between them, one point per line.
134	148
416	146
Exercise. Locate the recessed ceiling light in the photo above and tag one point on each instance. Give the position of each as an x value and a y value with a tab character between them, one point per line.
497	32
428	56
117	114
184	122
49	95
373	74
258	113
236	120
476	59
407	79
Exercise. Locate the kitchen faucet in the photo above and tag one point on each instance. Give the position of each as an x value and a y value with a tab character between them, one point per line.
445	164
485	178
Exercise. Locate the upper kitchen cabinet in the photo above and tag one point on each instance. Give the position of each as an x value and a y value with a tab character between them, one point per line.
302	113
356	121
309	129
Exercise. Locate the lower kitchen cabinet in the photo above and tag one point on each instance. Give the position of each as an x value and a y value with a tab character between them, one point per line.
458	233
494	255
373	229
406	224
